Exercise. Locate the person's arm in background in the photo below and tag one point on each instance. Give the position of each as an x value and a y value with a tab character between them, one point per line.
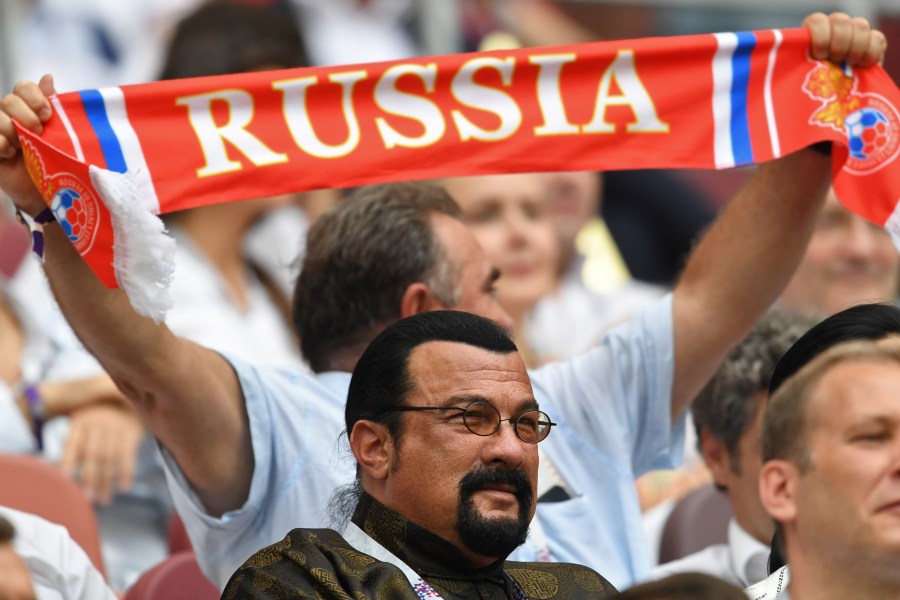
15	580
748	256
186	395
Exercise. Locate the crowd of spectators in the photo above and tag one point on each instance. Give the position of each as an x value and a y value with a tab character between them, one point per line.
634	324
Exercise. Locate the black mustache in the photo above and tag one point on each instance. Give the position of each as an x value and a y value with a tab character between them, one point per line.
475	480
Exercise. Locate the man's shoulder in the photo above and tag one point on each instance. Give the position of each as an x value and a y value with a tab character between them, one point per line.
286	381
558	580
302	545
314	561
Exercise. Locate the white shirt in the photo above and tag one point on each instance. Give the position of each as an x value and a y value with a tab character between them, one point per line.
574	319
742	561
59	568
203	312
612	405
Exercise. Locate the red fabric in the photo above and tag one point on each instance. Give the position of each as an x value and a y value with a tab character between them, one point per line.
668	90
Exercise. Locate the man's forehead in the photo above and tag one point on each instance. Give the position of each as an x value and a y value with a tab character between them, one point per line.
452	367
455	236
855	390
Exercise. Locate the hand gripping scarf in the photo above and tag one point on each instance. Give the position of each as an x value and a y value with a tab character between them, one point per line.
110	159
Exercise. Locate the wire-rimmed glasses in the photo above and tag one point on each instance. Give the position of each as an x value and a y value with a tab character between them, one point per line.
482	418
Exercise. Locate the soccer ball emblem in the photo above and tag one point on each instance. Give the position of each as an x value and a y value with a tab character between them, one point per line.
70	211
868	132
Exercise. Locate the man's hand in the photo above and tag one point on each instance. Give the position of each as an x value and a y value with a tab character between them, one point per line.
744	261
101	450
28	104
840	38
15	580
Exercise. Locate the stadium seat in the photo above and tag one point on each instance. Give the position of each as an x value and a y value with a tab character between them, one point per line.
177	536
698	520
34	486
176	578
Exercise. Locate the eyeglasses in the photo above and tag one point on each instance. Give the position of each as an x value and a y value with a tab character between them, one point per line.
482	418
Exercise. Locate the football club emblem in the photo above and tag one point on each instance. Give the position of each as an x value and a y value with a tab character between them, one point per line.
76	210
870	123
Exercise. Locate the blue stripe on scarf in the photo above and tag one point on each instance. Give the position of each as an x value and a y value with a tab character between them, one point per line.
740	126
109	143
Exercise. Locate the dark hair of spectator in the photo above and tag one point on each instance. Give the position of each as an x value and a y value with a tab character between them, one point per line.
684	586
361	255
862	322
727	404
7	531
382	379
228	36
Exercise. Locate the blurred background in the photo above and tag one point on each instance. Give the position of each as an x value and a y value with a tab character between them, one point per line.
92	43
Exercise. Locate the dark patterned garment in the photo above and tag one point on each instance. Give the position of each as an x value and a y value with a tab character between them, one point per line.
319	563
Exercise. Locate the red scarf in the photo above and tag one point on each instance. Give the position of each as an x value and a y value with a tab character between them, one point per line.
111	158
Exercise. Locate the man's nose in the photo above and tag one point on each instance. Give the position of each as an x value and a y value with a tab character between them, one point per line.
861	238
505	447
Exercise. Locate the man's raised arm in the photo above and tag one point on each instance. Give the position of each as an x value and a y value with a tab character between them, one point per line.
746	259
187	395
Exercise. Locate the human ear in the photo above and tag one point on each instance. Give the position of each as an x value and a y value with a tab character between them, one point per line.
418	298
372	446
778	489
716	457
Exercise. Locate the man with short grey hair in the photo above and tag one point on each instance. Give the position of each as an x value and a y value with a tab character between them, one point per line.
728	415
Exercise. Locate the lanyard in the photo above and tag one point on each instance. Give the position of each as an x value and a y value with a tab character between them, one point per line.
362	542
772	588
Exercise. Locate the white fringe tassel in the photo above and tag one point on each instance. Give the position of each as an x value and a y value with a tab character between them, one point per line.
144	255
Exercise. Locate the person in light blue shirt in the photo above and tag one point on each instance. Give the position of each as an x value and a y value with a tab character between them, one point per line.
397	250
296	421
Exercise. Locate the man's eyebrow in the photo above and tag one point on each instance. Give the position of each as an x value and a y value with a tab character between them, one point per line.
530	404
462	400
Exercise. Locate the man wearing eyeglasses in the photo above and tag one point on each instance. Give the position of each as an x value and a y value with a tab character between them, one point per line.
250	452
444	427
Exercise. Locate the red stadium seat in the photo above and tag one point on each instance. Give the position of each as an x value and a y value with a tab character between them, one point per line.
34	486
698	520
176	578
178	537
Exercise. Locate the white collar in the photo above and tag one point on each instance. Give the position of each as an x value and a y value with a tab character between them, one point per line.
775	587
749	557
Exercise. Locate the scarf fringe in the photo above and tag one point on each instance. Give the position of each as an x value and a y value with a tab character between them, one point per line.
144	255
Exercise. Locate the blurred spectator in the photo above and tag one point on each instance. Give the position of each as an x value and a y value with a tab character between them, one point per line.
342	32
94	43
510	217
38	560
655	219
56	401
222	297
728	416
848	261
593	290
97	43
684	586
